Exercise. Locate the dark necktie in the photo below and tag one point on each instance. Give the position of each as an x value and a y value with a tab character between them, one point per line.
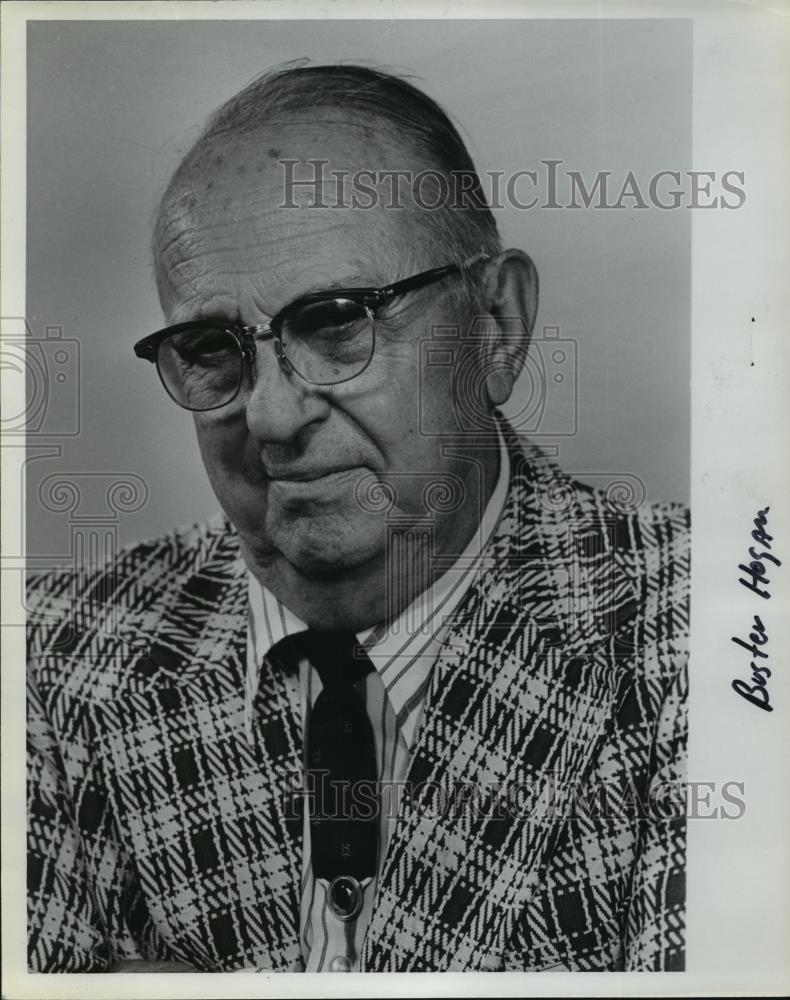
341	767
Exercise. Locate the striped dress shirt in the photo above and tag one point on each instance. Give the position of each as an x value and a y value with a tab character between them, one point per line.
403	653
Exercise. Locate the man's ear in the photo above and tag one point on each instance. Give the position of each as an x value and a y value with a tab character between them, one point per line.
511	297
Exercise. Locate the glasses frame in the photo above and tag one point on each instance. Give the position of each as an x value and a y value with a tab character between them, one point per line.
247	337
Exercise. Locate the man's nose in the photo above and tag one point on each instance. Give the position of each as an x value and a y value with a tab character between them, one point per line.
280	403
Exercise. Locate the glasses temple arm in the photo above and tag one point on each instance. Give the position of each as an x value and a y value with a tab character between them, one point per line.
429	277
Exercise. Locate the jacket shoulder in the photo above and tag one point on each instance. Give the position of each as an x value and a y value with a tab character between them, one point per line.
653	552
654	546
647	549
139	571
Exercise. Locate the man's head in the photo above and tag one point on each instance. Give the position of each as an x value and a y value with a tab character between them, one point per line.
292	463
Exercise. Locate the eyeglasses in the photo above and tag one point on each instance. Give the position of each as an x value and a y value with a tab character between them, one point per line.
325	338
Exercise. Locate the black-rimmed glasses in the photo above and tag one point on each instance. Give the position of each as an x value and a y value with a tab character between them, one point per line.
326	338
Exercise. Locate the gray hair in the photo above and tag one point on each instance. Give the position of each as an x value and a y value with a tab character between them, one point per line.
462	228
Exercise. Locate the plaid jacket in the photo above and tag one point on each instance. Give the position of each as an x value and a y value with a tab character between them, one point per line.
159	830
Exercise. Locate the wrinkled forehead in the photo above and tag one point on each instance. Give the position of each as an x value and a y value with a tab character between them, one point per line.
307	205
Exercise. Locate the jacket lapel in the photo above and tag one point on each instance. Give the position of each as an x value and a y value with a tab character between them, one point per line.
521	699
201	808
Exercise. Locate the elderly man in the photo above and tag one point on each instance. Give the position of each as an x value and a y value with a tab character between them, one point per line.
362	720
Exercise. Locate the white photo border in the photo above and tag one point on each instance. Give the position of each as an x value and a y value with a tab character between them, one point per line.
738	889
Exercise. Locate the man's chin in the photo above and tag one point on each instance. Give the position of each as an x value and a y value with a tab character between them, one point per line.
327	548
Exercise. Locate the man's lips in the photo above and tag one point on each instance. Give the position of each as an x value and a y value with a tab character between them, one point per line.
308	475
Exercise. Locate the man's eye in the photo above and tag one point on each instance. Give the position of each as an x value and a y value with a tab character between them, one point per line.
208	347
335	317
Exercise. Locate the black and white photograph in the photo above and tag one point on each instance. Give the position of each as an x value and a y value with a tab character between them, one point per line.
394	571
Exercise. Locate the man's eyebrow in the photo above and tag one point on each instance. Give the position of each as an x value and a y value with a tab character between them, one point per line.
352	280
230	317
348	281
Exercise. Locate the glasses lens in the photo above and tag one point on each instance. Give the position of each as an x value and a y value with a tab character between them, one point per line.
202	368
328	341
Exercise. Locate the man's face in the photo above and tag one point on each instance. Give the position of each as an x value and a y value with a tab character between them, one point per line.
292	463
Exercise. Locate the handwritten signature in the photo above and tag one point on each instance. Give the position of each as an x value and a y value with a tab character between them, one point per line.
756	580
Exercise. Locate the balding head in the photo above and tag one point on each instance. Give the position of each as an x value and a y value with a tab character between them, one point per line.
390	125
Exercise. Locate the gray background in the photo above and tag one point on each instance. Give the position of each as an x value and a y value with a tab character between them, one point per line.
113	105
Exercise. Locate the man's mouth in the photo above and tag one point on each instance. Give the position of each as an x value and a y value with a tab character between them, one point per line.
314	486
309	475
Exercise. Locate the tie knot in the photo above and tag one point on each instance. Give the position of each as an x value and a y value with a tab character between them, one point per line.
337	656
